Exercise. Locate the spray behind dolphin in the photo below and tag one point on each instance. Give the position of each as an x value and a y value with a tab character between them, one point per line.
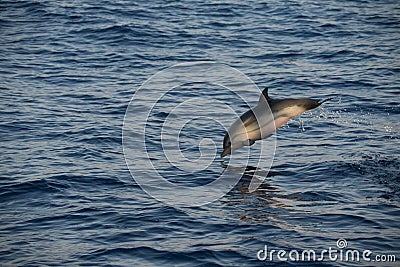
258	123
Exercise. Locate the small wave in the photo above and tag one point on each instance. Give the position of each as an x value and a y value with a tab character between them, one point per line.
384	170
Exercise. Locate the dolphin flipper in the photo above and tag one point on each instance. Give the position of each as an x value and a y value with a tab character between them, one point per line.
248	142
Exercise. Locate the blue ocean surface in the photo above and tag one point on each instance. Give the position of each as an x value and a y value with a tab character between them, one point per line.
69	69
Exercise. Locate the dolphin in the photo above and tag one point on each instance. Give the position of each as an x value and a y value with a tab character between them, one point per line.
258	123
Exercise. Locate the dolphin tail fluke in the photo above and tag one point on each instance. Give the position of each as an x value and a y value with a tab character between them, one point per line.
226	152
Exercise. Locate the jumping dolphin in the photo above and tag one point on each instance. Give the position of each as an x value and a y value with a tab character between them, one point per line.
258	123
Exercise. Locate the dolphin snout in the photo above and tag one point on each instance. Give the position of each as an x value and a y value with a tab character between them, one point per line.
324	100
314	103
310	104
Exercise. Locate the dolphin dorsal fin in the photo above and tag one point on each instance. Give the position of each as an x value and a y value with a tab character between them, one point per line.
265	95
